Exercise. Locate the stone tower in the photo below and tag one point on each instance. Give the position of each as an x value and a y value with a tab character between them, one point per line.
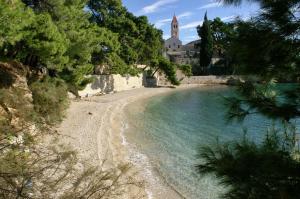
175	28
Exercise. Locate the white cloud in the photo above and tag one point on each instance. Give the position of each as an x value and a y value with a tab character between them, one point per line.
193	24
165	37
210	5
155	6
228	18
185	14
162	22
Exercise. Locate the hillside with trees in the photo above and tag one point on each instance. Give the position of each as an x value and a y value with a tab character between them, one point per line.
69	38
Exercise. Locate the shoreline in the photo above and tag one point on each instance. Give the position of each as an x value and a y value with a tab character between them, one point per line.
95	127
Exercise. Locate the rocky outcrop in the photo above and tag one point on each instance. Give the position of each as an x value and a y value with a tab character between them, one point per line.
13	75
15	96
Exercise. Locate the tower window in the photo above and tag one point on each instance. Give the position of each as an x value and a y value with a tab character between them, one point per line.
178	46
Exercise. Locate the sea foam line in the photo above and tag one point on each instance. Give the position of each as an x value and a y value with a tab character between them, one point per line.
139	160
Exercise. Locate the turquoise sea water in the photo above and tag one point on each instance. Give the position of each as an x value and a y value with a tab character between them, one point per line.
169	129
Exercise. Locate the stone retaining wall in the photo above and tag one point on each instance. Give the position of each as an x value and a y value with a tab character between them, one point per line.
205	80
104	84
199	80
211	79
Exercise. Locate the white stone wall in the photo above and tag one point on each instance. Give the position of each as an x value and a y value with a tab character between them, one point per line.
121	83
104	84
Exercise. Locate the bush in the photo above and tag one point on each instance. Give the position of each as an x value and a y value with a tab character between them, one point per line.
186	69
169	69
50	99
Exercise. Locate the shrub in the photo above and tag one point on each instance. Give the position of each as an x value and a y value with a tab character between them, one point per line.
169	69
186	69
50	99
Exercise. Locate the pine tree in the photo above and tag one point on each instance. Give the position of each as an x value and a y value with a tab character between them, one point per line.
141	42
14	20
206	45
12	32
45	45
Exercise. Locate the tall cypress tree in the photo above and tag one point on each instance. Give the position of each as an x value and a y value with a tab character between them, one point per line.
206	45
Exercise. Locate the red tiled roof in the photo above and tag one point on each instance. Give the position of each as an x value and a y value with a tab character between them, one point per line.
174	19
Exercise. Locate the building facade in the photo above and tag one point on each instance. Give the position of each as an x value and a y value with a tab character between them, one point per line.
178	53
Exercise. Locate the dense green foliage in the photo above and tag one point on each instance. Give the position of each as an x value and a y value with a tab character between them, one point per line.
223	33
52	38
223	37
206	45
70	37
218	45
141	42
14	19
274	50
266	47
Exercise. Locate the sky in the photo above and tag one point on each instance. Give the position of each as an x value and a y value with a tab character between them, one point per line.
190	13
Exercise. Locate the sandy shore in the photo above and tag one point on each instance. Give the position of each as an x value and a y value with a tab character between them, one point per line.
94	126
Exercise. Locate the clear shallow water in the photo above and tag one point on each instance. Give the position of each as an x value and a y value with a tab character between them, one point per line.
169	129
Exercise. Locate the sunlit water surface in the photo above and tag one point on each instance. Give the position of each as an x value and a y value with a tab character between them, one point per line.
169	129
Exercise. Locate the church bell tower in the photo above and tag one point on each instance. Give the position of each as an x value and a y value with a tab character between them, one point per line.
175	28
